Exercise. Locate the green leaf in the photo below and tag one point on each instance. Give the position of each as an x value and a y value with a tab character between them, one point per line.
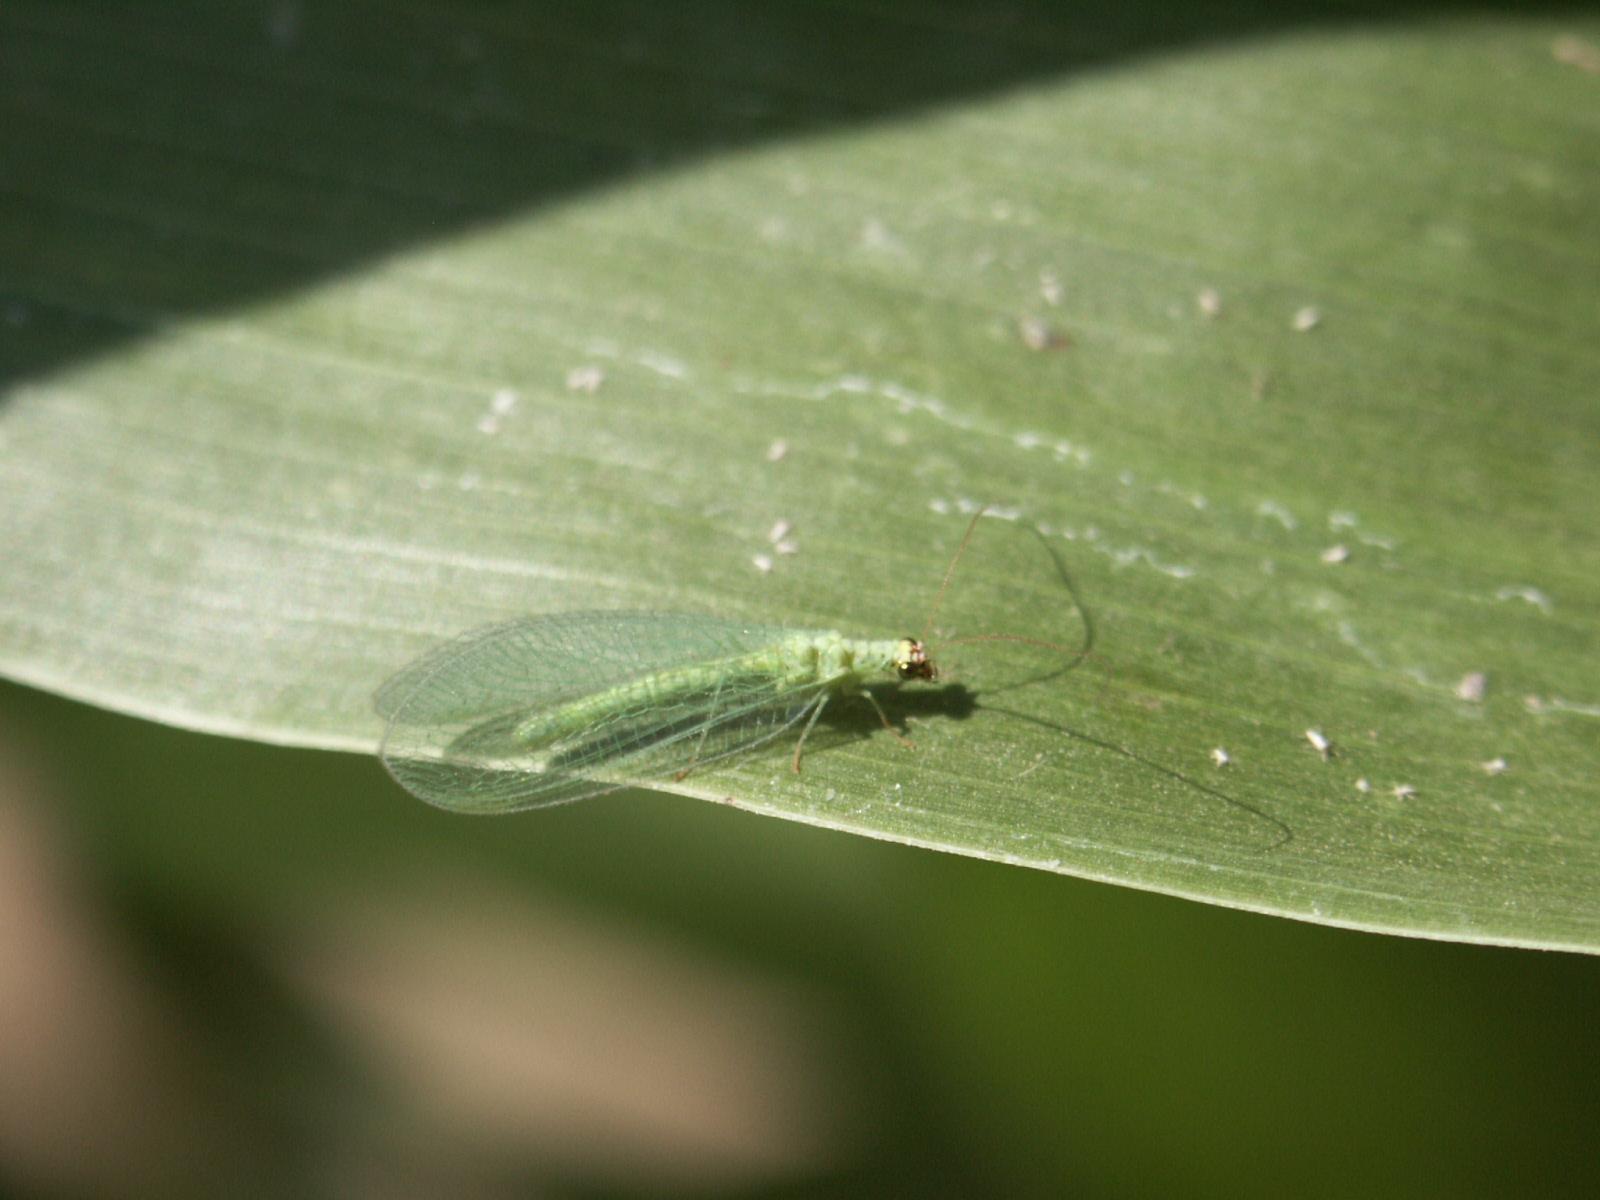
331	337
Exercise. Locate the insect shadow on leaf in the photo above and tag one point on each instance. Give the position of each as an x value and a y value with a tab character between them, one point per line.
1085	652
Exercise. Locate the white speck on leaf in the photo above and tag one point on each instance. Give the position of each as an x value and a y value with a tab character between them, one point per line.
1320	743
1334	555
1210	302
1221	757
1495	766
1038	334
1307	319
1471	687
585	379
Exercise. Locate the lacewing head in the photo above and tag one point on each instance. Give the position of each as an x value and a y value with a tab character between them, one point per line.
911	661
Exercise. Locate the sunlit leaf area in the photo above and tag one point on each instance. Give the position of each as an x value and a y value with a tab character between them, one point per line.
1210	389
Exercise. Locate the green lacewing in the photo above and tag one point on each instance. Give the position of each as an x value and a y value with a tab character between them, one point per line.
544	710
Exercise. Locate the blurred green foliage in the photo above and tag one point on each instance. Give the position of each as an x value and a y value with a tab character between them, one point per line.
1007	1032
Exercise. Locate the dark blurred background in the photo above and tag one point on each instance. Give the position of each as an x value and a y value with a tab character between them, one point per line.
232	968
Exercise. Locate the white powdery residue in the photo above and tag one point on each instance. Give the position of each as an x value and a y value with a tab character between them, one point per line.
787	546
967	506
1209	302
1320	743
1028	441
1126	556
1221	757
662	364
778	451
1347	634
489	423
1306	319
1471	687
906	400
910	401
1065	450
942	507
1557	704
1539	705
1530	594
1280	514
1402	791
762	562
1363	784
1342	519
1495	766
878	238
1050	287
781	528
1326	602
1421	678
1334	555
586	379
1193	499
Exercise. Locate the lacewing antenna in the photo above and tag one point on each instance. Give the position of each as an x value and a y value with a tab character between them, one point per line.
1010	637
944	585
